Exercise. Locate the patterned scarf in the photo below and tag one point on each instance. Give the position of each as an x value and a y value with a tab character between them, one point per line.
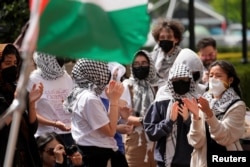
220	105
180	71
87	75
143	94
164	62
176	71
48	66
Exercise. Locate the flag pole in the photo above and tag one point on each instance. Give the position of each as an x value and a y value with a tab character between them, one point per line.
18	105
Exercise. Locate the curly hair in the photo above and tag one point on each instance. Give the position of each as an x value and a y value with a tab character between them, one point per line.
174	25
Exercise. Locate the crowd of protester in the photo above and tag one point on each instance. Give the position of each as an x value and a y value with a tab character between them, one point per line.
176	109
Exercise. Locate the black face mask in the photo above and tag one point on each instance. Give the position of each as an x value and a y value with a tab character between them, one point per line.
9	74
166	45
196	76
140	72
181	87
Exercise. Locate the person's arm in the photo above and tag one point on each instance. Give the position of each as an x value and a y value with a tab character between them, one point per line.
58	124
197	133
155	123
34	94
113	92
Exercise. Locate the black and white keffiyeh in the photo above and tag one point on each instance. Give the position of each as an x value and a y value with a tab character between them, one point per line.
180	71
88	75
91	74
176	71
48	66
219	106
143	94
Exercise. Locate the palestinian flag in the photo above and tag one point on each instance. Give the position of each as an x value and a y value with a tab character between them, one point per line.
107	30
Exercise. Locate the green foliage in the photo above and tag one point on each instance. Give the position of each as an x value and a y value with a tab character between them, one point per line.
227	49
231	9
13	15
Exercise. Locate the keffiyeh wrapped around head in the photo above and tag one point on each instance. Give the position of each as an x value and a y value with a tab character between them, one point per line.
91	74
48	66
152	76
180	71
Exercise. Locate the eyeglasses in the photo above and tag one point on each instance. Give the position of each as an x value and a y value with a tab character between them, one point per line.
50	151
139	64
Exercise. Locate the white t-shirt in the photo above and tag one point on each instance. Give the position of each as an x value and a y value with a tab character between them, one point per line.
50	105
89	114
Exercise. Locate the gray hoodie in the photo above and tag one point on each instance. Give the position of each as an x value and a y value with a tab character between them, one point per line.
192	60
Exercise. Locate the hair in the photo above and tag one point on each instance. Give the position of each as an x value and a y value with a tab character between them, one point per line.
8	89
229	69
204	42
174	25
10	49
44	139
142	53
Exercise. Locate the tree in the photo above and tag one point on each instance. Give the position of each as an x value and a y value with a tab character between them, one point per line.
230	9
13	16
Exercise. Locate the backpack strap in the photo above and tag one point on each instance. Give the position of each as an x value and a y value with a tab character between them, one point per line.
232	103
220	115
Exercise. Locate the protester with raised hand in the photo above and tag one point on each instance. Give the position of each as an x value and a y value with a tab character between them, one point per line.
26	152
57	86
93	128
167	120
218	116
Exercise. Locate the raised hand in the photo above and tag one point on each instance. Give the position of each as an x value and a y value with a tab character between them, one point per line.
59	152
204	106
36	92
114	91
174	111
192	106
183	111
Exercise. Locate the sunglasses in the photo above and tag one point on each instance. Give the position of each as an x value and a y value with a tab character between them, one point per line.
50	151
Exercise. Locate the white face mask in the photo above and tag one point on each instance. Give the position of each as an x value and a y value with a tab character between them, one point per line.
216	86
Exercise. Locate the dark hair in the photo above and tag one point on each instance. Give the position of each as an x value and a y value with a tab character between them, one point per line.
204	42
229	69
174	25
142	53
44	139
8	89
10	49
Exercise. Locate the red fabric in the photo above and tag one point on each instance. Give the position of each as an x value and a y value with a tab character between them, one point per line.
43	4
